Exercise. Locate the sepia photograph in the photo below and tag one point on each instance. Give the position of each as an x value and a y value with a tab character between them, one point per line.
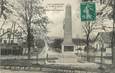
57	36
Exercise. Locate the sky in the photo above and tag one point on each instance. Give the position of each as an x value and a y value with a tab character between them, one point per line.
57	17
56	28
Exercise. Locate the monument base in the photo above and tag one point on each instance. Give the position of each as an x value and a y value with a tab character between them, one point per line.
68	53
68	48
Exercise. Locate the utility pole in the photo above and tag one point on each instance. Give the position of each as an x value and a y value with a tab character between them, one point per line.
113	35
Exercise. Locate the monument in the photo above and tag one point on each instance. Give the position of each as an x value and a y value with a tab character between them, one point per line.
67	45
68	48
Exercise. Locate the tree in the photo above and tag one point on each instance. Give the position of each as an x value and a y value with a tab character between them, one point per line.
6	8
40	43
88	30
111	15
57	44
31	13
91	27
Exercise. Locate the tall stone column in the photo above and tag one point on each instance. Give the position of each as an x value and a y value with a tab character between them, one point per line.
67	45
68	25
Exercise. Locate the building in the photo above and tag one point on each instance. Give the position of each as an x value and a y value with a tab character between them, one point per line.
10	42
104	41
9	36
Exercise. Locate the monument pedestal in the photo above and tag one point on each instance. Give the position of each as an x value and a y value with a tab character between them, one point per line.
68	48
68	53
